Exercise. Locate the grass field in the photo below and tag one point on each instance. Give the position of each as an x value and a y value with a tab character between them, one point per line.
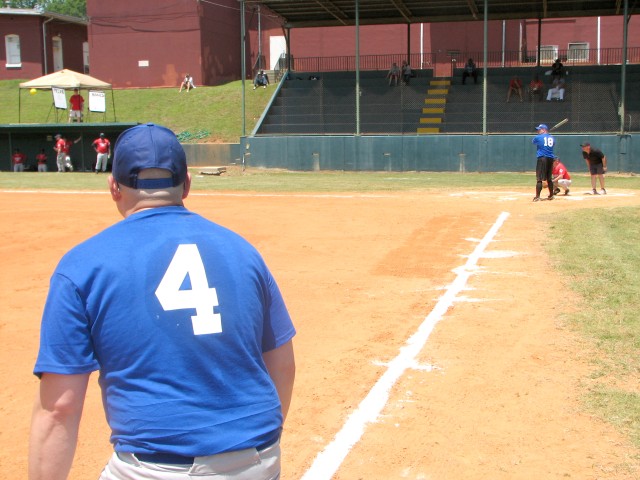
599	253
266	180
211	114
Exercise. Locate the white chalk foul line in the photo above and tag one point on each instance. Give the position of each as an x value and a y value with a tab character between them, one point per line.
329	460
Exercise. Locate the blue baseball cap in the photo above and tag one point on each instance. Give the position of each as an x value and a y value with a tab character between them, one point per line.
541	126
148	146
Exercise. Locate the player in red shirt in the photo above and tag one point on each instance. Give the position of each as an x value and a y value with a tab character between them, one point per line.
77	106
62	147
102	146
561	177
41	158
19	159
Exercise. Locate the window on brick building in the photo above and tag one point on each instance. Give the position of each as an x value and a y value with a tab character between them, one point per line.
578	52
12	46
548	53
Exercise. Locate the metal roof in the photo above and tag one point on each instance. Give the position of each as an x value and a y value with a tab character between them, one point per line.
36	12
322	13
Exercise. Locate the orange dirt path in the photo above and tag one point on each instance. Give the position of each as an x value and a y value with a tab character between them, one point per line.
494	392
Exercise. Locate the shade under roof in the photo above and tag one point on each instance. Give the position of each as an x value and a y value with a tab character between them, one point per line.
322	13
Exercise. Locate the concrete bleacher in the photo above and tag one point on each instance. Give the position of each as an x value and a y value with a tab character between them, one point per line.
328	105
591	101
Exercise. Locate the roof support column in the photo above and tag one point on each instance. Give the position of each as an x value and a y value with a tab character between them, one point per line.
243	66
357	67
287	43
539	40
484	68
623	71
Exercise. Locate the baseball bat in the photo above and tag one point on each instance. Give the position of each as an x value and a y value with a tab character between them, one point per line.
559	124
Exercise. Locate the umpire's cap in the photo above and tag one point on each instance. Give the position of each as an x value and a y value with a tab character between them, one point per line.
148	146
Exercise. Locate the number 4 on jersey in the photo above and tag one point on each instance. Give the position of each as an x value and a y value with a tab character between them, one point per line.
187	261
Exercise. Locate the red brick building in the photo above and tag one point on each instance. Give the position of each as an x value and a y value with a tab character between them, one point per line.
38	43
141	44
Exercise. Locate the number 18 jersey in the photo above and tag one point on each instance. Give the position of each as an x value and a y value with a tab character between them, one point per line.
544	143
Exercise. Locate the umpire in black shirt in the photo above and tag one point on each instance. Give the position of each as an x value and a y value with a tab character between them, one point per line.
597	165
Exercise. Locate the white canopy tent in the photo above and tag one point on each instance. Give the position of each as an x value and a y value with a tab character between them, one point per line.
66	79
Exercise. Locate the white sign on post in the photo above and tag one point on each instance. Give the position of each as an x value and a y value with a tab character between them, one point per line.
97	101
59	98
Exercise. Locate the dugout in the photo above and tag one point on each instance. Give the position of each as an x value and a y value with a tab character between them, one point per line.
31	138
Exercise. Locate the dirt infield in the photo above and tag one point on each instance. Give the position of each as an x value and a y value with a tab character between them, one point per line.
492	394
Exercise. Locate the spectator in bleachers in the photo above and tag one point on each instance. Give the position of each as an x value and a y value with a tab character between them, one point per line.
406	72
470	70
261	80
535	89
557	71
556	92
515	85
394	74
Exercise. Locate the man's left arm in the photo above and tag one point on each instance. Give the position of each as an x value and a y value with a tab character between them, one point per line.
54	425
281	365
604	162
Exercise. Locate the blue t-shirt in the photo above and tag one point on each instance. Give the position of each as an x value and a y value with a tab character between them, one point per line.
544	143
176	312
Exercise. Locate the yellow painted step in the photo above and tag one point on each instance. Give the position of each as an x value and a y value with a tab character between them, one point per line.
433	110
435	83
437	91
430	120
428	130
435	101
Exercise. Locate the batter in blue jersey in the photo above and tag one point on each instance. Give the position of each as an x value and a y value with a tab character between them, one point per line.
185	324
544	143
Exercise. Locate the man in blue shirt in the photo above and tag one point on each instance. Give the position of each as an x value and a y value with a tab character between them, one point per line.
186	325
544	143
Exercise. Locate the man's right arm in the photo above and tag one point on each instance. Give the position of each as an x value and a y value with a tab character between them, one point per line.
54	425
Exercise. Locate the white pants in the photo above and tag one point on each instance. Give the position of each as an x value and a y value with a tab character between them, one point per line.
249	464
75	114
60	161
565	184
102	160
555	93
42	167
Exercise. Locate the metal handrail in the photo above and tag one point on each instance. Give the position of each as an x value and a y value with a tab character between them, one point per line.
516	58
